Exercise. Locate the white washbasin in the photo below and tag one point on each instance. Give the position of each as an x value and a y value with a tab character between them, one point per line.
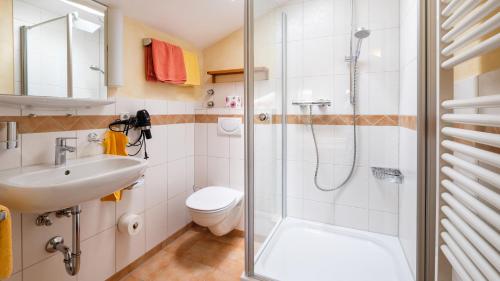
44	188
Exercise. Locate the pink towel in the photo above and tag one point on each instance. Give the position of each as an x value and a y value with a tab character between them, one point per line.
164	63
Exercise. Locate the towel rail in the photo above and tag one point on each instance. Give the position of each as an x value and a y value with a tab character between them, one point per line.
474	136
460	12
473	186
473	34
473	119
479	49
471	19
473	220
146	41
479	243
477	102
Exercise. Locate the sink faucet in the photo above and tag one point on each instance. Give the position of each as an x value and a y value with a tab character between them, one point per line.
61	149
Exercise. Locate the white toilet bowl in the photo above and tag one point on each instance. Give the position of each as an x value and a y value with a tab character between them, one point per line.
216	207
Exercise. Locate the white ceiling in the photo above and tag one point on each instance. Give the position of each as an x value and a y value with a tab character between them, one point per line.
200	22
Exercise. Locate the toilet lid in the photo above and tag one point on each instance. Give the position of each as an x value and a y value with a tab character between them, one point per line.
211	198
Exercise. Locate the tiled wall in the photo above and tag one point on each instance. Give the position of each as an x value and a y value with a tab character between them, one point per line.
160	201
219	159
408	137
46	44
318	41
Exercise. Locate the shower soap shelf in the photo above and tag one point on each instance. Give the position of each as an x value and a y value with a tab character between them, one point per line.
387	174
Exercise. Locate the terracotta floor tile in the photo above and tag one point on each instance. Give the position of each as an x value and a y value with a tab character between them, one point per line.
197	255
152	266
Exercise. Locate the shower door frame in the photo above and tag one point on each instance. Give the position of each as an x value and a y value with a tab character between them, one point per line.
426	139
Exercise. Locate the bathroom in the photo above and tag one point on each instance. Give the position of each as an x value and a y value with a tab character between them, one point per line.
269	140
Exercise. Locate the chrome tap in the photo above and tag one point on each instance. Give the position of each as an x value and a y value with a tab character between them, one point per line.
61	148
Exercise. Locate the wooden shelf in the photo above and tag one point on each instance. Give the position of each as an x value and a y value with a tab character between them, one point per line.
236	71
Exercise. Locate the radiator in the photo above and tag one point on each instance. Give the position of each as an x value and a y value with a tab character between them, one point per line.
470	179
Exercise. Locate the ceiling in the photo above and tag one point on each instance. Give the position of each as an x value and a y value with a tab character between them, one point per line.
200	22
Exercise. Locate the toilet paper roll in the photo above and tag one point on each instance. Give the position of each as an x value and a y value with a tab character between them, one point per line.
130	224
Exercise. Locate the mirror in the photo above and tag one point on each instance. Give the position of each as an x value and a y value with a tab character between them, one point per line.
58	48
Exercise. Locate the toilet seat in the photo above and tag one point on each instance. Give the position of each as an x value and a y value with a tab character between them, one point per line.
212	199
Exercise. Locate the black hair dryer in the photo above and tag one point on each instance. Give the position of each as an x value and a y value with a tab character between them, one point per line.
142	121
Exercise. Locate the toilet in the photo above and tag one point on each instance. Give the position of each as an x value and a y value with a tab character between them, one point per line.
216	207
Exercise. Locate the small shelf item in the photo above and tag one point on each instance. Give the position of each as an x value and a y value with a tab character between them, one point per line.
388	174
3	215
262	72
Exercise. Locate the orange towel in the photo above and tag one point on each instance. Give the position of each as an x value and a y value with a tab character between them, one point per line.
164	63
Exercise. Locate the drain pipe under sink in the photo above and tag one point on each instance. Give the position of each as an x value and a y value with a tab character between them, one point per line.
71	256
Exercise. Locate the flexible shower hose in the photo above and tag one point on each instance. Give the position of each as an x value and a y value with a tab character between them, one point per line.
353	165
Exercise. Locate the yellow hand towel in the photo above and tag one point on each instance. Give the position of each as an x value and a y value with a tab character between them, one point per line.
115	143
192	69
5	245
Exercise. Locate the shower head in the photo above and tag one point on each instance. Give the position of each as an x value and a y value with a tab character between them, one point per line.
362	33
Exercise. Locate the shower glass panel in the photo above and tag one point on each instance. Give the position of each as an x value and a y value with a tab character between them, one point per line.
331	110
267	129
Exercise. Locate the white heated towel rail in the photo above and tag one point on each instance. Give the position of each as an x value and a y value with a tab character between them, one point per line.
470	166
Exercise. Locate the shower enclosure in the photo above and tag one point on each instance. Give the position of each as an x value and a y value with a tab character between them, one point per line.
332	141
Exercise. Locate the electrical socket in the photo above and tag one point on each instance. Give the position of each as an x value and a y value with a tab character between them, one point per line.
124	115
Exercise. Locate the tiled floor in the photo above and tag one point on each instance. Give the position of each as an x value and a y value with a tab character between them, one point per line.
197	255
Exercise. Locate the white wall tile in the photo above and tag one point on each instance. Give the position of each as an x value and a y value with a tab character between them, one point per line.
383	195
318	16
237	174
189	139
177	213
295	207
383	92
156	107
200	139
200	171
236	147
351	217
384	14
176	141
355	193
157	146
86	148
155	185
218	146
176	178
295	179
48	270
98	257
176	107
318	56
382	222
218	171
32	154
96	217
128	105
156	225
190	175
34	238
317	211
383	146
325	180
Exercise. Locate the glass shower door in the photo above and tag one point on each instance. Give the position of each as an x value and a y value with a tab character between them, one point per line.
263	110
